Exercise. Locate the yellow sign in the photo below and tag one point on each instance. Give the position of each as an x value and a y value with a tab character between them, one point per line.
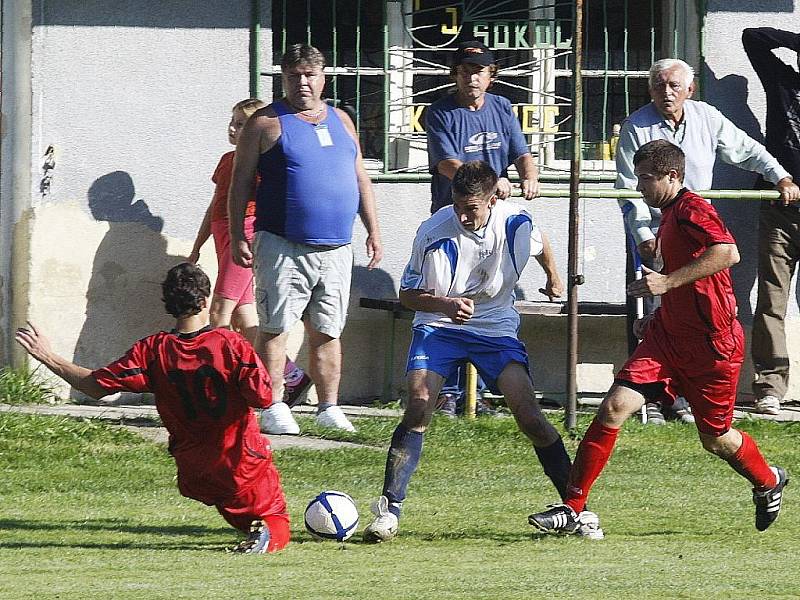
533	118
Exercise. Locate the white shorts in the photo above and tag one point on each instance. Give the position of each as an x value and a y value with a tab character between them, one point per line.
297	281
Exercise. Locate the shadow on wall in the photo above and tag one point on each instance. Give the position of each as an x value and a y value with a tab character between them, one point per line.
376	283
365	338
124	295
730	97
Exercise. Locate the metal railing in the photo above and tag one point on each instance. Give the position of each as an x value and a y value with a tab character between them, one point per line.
389	59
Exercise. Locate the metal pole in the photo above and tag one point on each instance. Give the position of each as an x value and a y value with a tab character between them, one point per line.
255	48
573	278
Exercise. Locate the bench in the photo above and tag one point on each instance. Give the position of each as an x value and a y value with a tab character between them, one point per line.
395	311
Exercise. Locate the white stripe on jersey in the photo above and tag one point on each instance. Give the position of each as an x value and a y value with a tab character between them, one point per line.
484	266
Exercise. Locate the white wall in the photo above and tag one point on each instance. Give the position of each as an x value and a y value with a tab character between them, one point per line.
135	97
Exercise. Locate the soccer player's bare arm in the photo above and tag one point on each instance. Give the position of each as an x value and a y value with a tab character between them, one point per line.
460	310
38	346
713	260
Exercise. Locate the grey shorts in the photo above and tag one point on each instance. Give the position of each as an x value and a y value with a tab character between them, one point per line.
297	281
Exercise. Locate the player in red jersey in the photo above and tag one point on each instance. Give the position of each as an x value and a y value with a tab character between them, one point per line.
206	382
693	345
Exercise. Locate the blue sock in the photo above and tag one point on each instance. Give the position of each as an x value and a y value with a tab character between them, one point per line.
323	406
556	464
402	461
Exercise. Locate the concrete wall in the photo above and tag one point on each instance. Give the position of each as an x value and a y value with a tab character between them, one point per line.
135	97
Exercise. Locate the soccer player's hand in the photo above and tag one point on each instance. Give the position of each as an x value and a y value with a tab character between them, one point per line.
460	310
529	188
33	342
241	254
503	188
640	326
647	249
554	288
789	191
652	284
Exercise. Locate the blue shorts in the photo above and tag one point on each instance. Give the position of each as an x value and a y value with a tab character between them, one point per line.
442	349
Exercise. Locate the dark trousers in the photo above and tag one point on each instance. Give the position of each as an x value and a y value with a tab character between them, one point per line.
778	252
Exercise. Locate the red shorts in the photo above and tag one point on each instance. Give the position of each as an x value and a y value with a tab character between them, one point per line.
704	370
233	282
263	499
243	487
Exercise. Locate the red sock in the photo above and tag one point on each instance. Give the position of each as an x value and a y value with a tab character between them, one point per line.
592	456
750	464
278	532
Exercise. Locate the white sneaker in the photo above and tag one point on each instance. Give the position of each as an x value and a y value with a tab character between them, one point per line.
768	405
334	418
589	526
384	527
278	420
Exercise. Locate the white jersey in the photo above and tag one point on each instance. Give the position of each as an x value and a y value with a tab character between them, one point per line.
484	265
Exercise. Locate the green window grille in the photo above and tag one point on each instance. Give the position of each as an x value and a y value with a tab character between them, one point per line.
389	60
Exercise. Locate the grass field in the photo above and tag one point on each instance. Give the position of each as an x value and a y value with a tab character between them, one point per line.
89	511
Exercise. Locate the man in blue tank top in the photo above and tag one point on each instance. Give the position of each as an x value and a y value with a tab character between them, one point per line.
312	185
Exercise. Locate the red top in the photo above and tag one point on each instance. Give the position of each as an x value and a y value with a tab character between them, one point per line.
204	385
222	177
689	226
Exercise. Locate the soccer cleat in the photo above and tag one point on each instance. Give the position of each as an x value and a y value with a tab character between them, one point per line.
654	416
446	405
768	405
589	526
559	518
256	542
384	526
278	420
293	394
768	504
334	418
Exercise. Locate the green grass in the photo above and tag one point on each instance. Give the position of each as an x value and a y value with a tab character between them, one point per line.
23	386
89	511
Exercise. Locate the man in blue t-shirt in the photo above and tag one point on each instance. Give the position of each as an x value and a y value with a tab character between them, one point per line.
471	124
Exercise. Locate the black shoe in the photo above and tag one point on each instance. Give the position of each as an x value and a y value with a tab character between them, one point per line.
293	394
768	504
484	409
446	405
257	540
559	518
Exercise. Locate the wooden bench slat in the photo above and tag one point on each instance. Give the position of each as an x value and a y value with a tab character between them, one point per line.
524	307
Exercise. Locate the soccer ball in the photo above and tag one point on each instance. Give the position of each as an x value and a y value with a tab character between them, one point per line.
332	516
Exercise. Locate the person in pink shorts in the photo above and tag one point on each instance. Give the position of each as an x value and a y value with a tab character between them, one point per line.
233	302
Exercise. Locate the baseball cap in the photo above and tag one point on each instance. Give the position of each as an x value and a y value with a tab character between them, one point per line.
474	52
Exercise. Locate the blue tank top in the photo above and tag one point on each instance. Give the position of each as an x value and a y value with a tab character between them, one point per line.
309	192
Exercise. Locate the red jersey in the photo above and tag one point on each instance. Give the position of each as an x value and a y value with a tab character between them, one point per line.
689	226
222	177
204	385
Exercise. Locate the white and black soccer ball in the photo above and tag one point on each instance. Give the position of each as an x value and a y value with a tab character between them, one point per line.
332	515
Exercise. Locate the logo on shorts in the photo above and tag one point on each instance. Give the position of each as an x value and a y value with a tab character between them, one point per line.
420	357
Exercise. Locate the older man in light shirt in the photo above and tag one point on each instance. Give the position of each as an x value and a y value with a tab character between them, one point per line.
703	133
